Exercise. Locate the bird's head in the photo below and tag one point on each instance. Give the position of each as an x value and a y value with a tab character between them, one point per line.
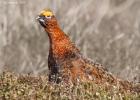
46	18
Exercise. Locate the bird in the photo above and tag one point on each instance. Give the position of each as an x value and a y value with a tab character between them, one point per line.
65	61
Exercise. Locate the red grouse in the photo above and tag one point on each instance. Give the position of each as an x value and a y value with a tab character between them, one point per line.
65	61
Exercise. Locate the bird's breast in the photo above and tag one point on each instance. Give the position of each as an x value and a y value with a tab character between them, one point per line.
61	48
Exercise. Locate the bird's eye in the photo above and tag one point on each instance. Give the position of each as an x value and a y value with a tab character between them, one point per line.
48	17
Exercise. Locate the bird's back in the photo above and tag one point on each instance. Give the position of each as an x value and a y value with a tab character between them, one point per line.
81	69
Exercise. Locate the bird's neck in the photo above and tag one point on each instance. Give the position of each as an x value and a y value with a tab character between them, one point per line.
60	43
55	34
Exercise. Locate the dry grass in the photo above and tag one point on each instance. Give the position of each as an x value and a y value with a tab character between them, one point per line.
27	87
107	31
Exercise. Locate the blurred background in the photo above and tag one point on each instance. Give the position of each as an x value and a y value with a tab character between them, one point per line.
107	31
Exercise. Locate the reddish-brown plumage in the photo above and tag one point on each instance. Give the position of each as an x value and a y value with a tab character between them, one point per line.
66	62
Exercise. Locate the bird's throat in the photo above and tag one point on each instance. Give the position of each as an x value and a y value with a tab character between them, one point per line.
60	44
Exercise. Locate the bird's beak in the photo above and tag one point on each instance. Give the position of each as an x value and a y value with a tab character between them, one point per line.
41	20
37	18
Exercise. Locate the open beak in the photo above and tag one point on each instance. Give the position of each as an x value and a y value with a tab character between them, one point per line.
41	20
